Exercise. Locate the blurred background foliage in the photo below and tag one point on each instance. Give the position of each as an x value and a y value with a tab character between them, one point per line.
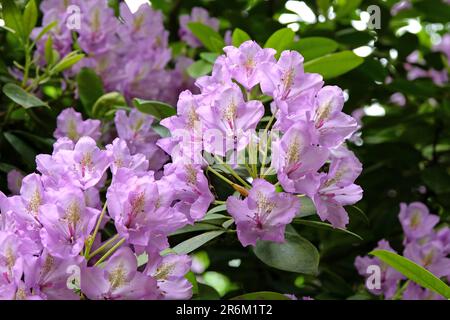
405	149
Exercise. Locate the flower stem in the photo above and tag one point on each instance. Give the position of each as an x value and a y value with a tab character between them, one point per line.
110	252
103	247
94	234
233	173
235	186
266	149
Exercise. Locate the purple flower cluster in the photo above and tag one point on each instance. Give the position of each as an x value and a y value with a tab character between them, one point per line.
51	244
129	54
223	119
423	243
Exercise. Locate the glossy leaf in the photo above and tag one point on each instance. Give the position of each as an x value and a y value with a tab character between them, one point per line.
296	254
314	47
210	38
159	110
239	36
261	295
21	97
196	242
335	64
413	271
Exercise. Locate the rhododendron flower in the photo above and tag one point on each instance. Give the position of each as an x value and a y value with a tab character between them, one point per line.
416	220
70	124
232	120
244	63
169	272
296	158
191	189
47	276
337	189
264	214
134	205
118	280
140	137
389	276
287	82
122	158
67	222
197	15
86	163
186	140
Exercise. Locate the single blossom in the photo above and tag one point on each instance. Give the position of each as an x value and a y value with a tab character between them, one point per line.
190	188
136	129
337	188
231	121
296	158
49	276
70	124
120	153
416	220
67	222
135	205
264	214
169	272
244	63
86	164
118	280
288	84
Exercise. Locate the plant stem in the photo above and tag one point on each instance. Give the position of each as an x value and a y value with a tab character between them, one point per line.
219	202
94	234
110	252
233	173
235	186
266	149
102	247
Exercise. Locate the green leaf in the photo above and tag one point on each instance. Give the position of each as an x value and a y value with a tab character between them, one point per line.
196	242
190	276
280	40
307	207
27	154
159	110
413	271
261	295
106	102
333	65
90	88
326	226
49	52
239	37
46	29
68	61
199	68
314	47
21	97
13	18
210	38
219	208
296	254
209	56
30	17
195	228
